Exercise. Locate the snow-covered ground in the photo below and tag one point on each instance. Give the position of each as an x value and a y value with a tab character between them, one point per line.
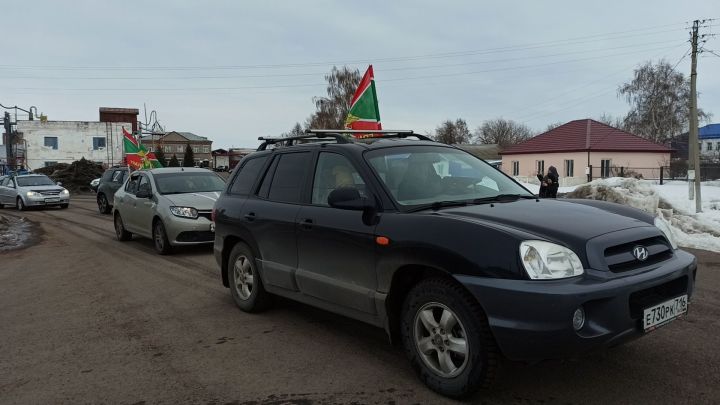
669	201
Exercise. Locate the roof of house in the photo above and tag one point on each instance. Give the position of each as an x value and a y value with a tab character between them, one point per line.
709	131
133	111
187	135
585	135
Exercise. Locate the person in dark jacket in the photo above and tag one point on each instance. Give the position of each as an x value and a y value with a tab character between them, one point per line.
553	182
543	185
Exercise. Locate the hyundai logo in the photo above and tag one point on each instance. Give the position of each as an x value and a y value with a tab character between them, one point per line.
640	253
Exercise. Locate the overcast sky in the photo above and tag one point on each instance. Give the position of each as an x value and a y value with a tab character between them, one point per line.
236	70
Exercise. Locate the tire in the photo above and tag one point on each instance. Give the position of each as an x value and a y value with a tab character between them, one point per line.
120	232
455	362
103	204
245	284
20	204
64	206
160	239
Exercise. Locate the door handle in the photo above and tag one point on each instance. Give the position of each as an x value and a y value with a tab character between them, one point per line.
250	216
306	224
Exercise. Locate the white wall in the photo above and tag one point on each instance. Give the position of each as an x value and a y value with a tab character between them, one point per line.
75	141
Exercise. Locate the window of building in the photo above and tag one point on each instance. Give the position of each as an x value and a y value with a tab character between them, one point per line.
167	148
51	142
196	149
50	163
605	168
569	168
540	164
206	149
515	168
98	142
287	181
180	148
708	146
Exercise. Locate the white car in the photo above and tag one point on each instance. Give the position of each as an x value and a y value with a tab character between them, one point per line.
32	190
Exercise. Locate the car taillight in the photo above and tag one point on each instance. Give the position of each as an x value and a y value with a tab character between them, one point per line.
212	215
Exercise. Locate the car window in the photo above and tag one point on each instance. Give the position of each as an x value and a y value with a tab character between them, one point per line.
287	181
132	184
118	176
426	174
188	182
107	175
334	171
245	179
144	184
38	180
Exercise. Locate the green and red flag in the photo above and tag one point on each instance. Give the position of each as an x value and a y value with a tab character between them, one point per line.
364	112
136	156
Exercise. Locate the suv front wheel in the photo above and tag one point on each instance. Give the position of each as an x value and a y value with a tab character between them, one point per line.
245	284
447	338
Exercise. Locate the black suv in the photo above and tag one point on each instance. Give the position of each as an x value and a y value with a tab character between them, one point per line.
451	256
110	182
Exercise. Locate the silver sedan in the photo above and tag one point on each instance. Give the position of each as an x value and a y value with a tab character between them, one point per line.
32	190
173	206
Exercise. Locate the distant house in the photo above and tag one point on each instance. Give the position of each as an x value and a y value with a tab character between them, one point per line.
174	143
709	137
585	149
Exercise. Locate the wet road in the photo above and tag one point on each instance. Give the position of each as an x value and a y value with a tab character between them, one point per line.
87	319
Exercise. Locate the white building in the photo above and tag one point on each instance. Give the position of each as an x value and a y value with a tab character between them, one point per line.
51	142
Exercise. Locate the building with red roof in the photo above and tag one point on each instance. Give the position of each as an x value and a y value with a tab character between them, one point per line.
579	145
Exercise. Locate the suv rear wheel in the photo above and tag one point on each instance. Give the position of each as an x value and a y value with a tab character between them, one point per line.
103	205
245	285
447	338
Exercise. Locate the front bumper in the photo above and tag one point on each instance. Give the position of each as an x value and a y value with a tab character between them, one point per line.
45	201
532	320
188	231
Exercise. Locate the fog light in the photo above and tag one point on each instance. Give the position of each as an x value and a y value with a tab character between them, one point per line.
578	319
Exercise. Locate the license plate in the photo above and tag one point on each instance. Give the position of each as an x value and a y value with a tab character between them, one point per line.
52	199
661	314
212	227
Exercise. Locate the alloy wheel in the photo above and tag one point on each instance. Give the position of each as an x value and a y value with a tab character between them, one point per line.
441	340
244	277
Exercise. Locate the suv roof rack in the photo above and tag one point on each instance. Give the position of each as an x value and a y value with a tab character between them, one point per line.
340	136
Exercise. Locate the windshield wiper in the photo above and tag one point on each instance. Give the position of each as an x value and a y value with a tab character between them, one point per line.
437	205
502	198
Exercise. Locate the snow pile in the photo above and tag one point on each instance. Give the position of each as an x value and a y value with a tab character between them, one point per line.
670	202
14	233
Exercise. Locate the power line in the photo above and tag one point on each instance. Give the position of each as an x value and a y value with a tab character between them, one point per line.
572	41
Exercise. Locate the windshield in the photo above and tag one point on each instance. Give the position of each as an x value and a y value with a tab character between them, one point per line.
188	182
31	181
428	174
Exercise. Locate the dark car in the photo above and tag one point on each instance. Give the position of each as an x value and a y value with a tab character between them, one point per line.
449	255
110	182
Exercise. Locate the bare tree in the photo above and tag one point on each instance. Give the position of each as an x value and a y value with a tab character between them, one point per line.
502	132
659	99
332	110
608	119
554	125
296	130
450	132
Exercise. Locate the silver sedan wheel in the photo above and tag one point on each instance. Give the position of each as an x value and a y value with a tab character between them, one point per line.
441	340
244	277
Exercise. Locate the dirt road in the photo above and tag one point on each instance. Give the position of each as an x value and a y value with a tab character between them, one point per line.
87	319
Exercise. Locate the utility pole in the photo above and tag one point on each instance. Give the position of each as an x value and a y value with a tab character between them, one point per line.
694	148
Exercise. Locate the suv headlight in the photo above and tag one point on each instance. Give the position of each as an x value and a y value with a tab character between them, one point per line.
64	192
545	260
184	212
665	228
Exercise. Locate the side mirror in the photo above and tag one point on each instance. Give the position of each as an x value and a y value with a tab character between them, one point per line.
59	183
348	198
144	194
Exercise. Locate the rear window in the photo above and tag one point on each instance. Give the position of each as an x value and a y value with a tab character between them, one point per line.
246	176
